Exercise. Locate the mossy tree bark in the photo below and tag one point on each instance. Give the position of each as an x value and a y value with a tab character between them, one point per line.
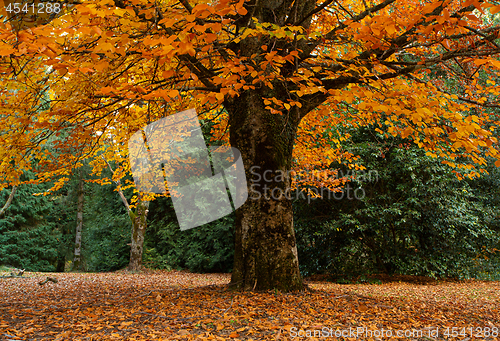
139	224
265	249
79	225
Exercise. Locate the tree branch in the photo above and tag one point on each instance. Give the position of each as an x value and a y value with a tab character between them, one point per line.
118	185
186	5
330	35
194	65
9	201
314	11
463	99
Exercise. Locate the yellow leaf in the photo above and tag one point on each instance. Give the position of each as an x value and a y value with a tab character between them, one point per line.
210	37
406	132
495	63
200	8
97	30
429	8
101	66
85	69
391	29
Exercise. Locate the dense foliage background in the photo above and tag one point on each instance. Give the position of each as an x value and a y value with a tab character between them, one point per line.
35	232
405	214
411	216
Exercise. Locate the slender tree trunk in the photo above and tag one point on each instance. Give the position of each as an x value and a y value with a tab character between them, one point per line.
265	249
139	224
79	225
9	201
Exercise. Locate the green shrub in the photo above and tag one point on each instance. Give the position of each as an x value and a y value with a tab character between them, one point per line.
29	236
415	219
209	248
106	230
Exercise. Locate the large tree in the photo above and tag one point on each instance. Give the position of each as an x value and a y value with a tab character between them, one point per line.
275	76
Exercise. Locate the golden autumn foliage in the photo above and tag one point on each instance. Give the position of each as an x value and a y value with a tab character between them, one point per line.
108	68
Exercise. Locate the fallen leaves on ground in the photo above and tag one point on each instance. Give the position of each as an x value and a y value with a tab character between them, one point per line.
175	305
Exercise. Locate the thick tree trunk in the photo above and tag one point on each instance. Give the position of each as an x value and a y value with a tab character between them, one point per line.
265	249
79	225
139	224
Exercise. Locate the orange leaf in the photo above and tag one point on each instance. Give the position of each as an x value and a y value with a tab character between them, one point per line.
494	9
480	61
6	51
219	96
241	10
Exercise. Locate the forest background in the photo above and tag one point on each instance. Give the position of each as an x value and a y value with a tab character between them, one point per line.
406	213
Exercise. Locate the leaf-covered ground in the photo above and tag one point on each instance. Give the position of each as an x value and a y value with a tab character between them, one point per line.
184	306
